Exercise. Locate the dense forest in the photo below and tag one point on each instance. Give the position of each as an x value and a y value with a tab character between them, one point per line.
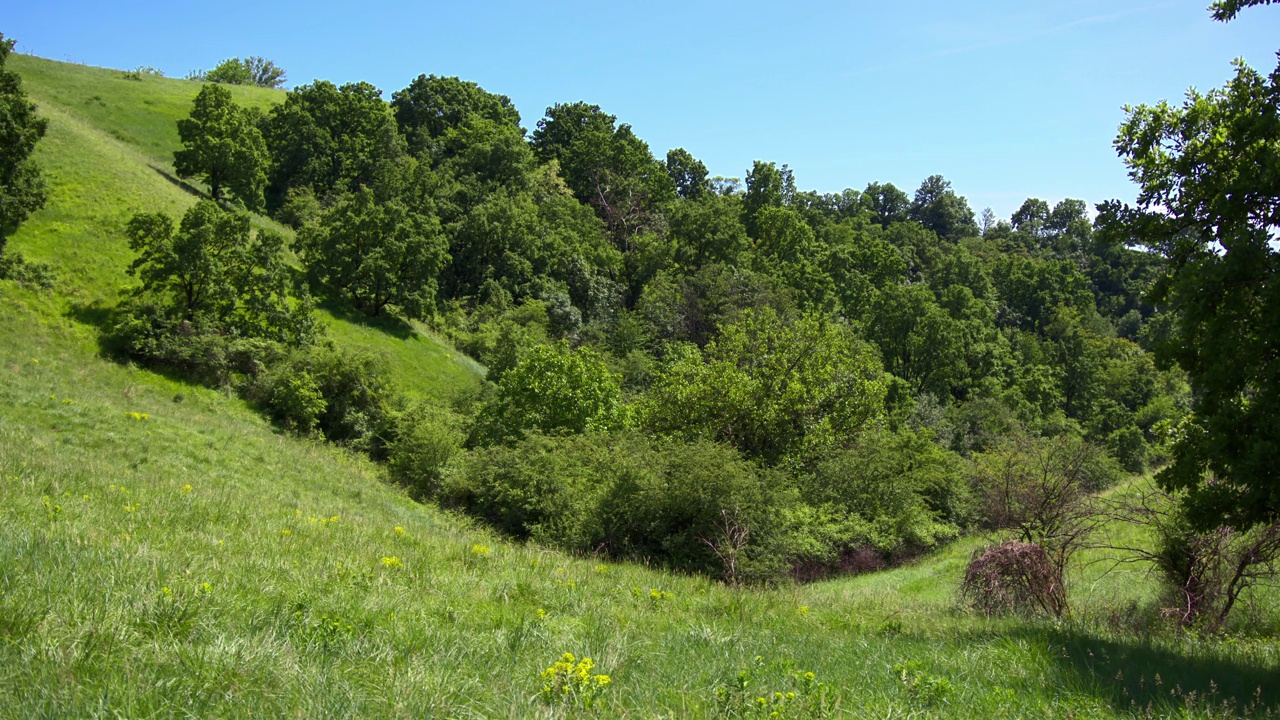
739	377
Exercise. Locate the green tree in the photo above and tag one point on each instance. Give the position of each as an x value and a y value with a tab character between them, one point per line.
376	254
223	146
22	189
553	389
331	139
252	70
432	105
774	391
937	207
1209	202
688	173
264	72
886	203
606	166
213	270
768	186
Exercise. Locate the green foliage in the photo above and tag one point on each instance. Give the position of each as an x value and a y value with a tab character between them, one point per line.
375	254
22	189
333	139
698	507
426	438
433	105
1226	10
347	396
773	390
923	688
1208	199
223	146
688	173
252	70
898	492
552	389
937	207
214	270
606	166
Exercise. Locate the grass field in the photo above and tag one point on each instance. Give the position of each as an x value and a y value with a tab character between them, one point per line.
165	552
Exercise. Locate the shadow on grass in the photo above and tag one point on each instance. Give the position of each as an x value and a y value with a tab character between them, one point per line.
1159	672
180	183
94	313
388	324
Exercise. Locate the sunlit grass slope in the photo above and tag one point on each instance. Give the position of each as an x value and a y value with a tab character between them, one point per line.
165	552
108	154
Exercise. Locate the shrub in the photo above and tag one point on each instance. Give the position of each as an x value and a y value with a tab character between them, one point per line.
1014	577
425	439
892	493
343	394
697	506
552	389
1040	488
198	351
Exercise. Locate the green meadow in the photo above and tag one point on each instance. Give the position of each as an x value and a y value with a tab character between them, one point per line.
166	552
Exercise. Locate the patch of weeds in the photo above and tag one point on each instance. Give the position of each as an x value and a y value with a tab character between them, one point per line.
923	688
798	695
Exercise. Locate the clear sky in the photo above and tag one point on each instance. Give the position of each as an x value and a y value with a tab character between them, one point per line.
1008	99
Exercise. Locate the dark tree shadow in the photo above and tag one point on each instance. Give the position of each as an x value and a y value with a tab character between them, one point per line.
1147	672
94	313
180	183
389	324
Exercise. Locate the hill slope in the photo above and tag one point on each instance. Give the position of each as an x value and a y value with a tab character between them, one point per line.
164	551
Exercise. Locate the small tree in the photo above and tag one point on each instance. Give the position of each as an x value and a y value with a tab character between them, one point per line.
22	190
211	270
376	254
553	389
1041	489
222	146
264	72
252	70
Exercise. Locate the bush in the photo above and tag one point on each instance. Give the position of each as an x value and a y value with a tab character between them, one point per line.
552	389
343	394
894	493
696	506
426	438
197	351
1014	577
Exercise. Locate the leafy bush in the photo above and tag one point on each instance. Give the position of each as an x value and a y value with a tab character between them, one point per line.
345	395
198	350
896	493
694	506
773	390
426	438
552	389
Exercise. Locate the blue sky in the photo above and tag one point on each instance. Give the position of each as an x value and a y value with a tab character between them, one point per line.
1007	99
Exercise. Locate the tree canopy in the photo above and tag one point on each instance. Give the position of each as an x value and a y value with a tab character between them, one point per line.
223	146
1209	202
22	189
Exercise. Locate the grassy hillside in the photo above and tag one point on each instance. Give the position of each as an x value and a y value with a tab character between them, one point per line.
164	551
109	154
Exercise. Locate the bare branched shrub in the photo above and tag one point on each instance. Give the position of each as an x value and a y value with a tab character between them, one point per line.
1041	488
729	544
1205	572
1015	577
